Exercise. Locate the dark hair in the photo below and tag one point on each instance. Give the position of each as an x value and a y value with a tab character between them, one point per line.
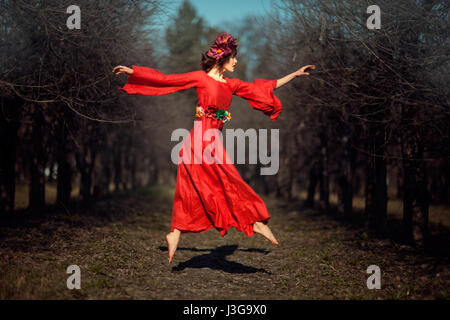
209	63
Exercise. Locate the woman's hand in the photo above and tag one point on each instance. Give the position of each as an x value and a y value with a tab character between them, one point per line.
123	70
301	71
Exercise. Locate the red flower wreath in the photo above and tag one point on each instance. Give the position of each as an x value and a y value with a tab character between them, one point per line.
222	46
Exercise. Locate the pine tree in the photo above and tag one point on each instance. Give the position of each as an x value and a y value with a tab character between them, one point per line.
185	39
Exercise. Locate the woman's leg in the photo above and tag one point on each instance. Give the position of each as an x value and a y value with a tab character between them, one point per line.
172	242
263	229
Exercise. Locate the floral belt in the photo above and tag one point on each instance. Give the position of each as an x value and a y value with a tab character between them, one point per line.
210	112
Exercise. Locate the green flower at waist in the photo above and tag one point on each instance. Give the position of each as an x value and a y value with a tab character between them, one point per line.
221	114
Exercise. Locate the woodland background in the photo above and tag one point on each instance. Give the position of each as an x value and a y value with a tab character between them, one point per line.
365	137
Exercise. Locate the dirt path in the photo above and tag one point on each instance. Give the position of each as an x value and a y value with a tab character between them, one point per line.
119	246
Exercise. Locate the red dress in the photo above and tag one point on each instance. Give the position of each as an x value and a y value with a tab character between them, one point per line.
210	195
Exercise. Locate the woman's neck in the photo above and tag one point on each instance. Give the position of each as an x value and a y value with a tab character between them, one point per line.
216	74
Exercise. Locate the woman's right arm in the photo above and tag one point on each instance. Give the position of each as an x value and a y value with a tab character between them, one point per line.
149	81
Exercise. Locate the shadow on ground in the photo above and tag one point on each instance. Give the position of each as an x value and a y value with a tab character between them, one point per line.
216	259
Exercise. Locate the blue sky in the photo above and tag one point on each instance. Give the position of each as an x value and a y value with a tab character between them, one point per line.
216	11
213	12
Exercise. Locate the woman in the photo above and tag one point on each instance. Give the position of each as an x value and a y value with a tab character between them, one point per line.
212	195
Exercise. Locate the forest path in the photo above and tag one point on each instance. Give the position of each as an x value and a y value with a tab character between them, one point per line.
119	245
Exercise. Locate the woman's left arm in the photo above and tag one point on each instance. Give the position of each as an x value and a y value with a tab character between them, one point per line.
300	72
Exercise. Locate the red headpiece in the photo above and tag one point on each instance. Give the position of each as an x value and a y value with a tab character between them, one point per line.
222	46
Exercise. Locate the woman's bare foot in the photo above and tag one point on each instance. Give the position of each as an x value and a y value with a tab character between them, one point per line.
263	229
172	242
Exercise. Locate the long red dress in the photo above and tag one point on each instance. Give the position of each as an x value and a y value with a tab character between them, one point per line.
210	195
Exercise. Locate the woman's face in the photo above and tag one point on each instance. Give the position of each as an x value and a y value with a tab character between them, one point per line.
230	64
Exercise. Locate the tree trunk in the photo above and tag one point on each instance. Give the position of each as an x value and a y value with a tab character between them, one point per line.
416	197
399	177
313	180
117	168
8	138
324	179
85	164
153	172
64	180
291	178
85	183
37	167
376	170
376	193
133	170
345	180
103	179
127	169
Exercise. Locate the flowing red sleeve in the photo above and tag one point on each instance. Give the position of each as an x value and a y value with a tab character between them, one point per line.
260	96
149	81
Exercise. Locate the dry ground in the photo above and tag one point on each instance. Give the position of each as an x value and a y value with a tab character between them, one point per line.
119	245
